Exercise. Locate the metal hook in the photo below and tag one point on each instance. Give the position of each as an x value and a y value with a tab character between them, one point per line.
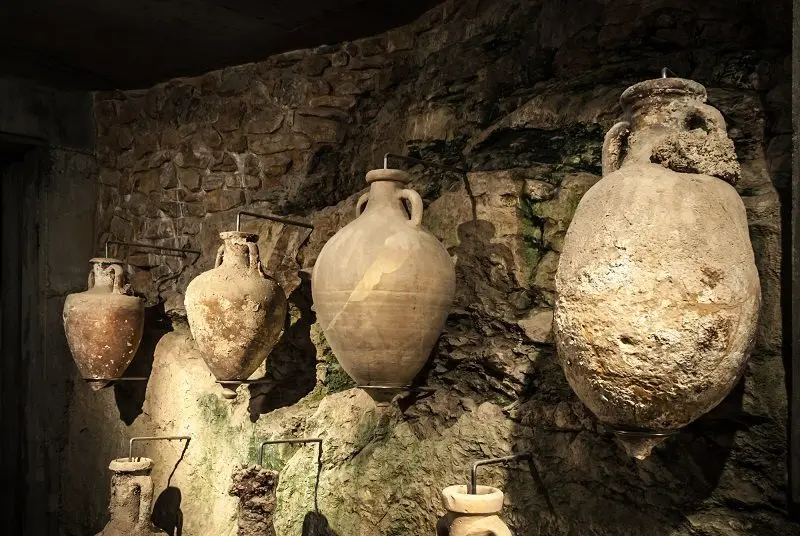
137	244
316	440
278	219
666	70
154	438
473	487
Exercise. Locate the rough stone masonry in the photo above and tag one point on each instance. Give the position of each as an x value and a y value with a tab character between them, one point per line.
520	93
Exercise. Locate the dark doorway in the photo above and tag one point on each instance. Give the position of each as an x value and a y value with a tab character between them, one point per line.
17	273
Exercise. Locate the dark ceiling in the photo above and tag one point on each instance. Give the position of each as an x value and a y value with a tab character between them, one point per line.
125	44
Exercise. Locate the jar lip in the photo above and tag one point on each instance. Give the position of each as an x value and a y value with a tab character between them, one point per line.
104	260
487	500
244	237
662	87
384	174
128	465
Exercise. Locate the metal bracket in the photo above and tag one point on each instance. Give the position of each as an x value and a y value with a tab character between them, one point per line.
427	163
317	440
154	438
473	485
270	217
642	433
123	379
150	246
244	382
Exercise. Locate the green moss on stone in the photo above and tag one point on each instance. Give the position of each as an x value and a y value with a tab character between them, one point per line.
214	410
336	379
531	236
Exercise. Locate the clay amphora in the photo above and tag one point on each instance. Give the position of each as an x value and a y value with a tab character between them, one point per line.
658	293
472	514
103	324
382	288
131	499
236	312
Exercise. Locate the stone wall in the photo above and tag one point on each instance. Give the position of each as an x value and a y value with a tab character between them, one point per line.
520	93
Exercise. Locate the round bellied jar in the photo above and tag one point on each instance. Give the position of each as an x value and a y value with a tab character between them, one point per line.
236	312
657	289
103	324
382	288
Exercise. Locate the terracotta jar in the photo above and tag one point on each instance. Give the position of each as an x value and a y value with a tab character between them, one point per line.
103	324
131	499
658	293
472	514
236	312
382	288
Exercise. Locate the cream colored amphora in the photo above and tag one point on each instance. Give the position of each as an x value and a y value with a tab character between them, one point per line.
471	514
382	288
657	288
103	324
131	499
236	312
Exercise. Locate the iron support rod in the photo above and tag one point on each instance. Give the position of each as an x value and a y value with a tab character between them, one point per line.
123	379
151	246
666	70
270	217
473	487
154	438
316	440
419	161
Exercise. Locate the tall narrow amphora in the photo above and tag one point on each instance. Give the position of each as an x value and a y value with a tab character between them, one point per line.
131	499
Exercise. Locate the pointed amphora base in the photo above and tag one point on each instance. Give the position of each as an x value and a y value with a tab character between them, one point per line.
96	385
639	444
229	389
383	395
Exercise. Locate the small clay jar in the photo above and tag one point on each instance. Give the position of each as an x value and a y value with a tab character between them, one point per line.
472	514
382	288
131	499
658	291
103	324
236	312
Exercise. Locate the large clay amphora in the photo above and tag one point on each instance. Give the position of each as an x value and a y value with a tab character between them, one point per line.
236	312
103	324
471	514
382	288
131	499
658	293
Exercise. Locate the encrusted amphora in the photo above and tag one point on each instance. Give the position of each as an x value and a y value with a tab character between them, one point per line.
131	499
103	324
471	514
236	312
657	289
382	288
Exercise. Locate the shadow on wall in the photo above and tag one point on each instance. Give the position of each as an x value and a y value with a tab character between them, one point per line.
294	358
652	496
316	524
130	395
575	459
167	514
